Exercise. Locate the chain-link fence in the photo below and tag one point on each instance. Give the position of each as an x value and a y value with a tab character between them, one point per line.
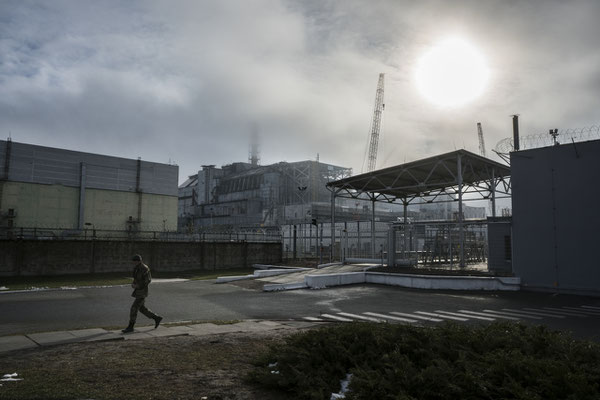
421	243
439	243
352	240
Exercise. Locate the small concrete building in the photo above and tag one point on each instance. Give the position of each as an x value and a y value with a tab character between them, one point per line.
556	218
50	188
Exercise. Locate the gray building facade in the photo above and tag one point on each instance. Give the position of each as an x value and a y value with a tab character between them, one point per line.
556	217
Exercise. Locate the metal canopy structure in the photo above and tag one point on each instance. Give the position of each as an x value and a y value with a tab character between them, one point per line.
441	178
428	179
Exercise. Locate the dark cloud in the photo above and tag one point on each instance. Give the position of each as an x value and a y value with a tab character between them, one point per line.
189	81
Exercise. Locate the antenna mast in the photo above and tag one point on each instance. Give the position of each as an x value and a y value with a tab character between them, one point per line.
481	142
376	125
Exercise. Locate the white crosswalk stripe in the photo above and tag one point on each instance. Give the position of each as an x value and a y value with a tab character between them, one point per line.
335	317
416	316
313	319
465	315
489	315
583	311
560	311
592	307
462	315
539	314
356	316
442	316
513	314
391	317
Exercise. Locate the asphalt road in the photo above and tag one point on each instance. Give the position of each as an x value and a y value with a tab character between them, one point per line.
43	311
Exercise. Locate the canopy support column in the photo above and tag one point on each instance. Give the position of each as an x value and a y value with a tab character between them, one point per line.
461	233
332	247
493	193
373	255
405	228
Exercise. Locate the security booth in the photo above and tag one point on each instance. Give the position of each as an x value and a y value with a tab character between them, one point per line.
450	178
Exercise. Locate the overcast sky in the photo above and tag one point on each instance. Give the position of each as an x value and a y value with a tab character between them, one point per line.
188	81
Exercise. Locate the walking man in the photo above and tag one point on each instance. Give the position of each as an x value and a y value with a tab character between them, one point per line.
141	280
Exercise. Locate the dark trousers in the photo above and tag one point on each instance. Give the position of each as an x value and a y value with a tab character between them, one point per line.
138	305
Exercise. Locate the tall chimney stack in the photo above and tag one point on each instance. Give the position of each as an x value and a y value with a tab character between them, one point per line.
515	132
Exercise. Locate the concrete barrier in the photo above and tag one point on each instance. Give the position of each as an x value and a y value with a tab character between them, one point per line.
327	280
260	273
438	282
284	286
273	272
444	282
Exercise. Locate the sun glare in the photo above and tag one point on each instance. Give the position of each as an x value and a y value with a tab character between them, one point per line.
452	73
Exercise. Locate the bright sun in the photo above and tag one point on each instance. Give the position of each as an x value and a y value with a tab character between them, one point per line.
452	73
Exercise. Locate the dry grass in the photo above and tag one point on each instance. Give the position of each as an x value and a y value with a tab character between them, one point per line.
184	367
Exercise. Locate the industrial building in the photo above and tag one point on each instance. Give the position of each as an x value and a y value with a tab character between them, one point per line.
556	217
69	191
250	195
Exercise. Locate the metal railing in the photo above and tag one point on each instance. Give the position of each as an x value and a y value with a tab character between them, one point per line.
113	234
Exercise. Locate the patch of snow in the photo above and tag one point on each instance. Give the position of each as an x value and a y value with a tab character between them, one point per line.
344	388
10	377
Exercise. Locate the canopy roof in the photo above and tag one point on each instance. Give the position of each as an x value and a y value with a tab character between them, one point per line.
428	179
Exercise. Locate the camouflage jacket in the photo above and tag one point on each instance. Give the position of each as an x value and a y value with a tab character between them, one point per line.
141	278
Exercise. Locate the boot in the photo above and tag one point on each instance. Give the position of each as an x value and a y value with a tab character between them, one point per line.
157	322
129	328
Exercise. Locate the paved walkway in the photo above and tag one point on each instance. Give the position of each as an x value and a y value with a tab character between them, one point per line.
19	342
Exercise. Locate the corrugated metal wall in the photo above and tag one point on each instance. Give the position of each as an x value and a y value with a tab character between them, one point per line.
556	217
45	165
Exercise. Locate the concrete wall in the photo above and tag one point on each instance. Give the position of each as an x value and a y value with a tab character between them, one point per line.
556	218
55	257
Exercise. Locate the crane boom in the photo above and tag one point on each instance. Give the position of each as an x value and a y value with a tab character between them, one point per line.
481	142
376	125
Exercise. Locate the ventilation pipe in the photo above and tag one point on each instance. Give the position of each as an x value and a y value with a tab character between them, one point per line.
515	132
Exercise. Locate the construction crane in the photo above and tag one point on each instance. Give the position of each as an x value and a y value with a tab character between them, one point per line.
481	142
376	125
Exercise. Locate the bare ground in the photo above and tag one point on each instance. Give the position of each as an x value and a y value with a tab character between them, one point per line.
184	367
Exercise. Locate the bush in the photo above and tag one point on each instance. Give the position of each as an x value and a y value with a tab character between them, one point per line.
450	361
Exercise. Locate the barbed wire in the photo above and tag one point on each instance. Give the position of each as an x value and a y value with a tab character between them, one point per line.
563	136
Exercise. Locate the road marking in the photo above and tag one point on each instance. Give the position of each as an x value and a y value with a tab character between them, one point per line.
335	317
488	318
539	314
410	321
356	316
579	310
512	314
569	313
442	316
593	308
313	319
416	316
488	315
